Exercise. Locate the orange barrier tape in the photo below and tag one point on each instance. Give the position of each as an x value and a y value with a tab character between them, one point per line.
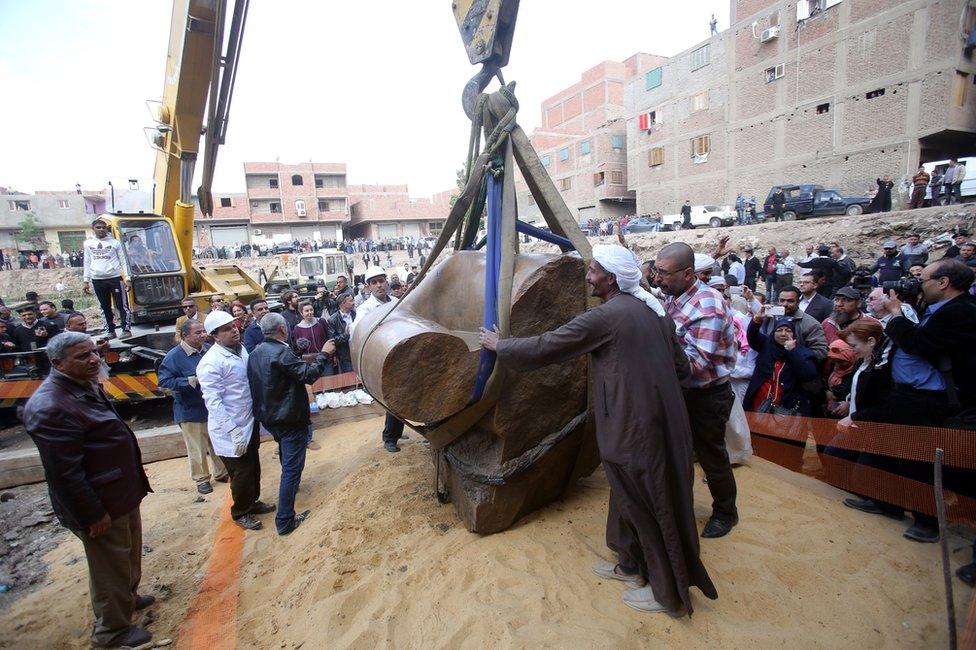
211	621
892	440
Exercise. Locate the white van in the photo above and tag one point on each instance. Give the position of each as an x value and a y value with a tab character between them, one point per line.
712	216
968	184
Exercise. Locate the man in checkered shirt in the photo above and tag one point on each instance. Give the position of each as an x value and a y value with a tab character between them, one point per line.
708	336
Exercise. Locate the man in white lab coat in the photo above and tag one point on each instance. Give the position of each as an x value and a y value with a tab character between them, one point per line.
223	379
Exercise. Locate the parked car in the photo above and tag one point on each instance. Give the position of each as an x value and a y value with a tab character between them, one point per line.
280	249
802	201
642	224
713	216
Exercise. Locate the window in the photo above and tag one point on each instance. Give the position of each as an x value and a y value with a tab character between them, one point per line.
318	181
823	108
546	161
63	203
225	202
564	153
585	148
959	89
599	179
699	58
774	73
656	156
435	227
273	183
647	121
19	206
874	93
565	183
701	146
275	207
699	101
616	178
652	79
296	179
323	205
617	142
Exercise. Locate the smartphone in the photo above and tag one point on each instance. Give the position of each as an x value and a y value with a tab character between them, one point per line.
777	310
735	291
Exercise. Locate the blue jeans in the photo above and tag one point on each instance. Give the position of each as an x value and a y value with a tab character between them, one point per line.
741	215
291	452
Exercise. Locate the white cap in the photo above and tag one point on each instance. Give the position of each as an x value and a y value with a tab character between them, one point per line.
215	320
703	262
373	272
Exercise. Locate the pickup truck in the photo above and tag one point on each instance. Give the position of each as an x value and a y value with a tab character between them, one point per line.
802	201
713	216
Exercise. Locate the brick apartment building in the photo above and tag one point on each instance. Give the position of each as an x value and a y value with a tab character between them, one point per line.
313	201
582	142
836	92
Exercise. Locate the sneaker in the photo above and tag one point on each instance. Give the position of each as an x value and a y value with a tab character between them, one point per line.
314	446
248	522
391	447
204	487
642	599
261	508
126	334
873	507
296	522
608	570
134	637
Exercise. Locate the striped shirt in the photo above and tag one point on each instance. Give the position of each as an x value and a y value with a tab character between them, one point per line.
706	331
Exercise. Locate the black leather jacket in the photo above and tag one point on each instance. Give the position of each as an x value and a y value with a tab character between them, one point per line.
277	379
339	332
91	459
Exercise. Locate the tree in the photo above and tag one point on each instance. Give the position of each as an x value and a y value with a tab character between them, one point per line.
29	232
461	182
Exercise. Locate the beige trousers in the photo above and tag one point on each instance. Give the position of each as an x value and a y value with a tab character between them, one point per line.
114	571
198	445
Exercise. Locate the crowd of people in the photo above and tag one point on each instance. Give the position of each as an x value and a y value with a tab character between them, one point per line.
890	342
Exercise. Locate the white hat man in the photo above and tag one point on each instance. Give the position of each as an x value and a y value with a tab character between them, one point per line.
223	380
375	278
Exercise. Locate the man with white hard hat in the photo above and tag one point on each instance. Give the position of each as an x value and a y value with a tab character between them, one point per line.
223	379
379	289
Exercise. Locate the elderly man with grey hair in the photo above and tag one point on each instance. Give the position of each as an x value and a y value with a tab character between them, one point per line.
277	378
93	469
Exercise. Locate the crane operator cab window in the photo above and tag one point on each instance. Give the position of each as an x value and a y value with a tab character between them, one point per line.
149	246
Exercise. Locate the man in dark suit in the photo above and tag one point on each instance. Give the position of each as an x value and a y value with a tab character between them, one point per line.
811	301
95	479
338	324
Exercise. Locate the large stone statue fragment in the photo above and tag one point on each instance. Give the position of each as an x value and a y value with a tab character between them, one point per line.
421	362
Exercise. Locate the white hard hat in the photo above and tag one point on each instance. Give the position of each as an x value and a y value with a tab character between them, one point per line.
215	320
372	272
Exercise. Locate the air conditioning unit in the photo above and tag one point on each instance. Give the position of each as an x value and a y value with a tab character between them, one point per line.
769	34
256	232
301	212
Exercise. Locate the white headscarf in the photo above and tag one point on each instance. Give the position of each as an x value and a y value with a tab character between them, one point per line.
626	267
703	262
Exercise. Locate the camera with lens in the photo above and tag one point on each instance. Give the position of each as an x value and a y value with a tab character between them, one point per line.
903	288
861	280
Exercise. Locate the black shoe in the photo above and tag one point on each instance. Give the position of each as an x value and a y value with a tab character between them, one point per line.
131	638
248	522
296	522
142	602
920	532
391	447
204	487
967	573
718	527
261	508
873	507
223	479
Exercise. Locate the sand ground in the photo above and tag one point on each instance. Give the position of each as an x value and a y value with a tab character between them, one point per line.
381	564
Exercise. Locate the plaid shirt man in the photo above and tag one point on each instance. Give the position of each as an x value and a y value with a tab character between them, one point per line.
706	331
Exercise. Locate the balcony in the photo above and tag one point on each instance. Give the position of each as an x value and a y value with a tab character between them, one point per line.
263	193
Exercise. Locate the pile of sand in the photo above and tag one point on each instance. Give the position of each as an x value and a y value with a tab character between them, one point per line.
380	563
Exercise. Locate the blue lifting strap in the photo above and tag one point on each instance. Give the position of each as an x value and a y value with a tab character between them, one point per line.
493	260
564	244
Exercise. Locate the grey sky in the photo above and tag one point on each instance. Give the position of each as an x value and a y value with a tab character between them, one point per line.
374	84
